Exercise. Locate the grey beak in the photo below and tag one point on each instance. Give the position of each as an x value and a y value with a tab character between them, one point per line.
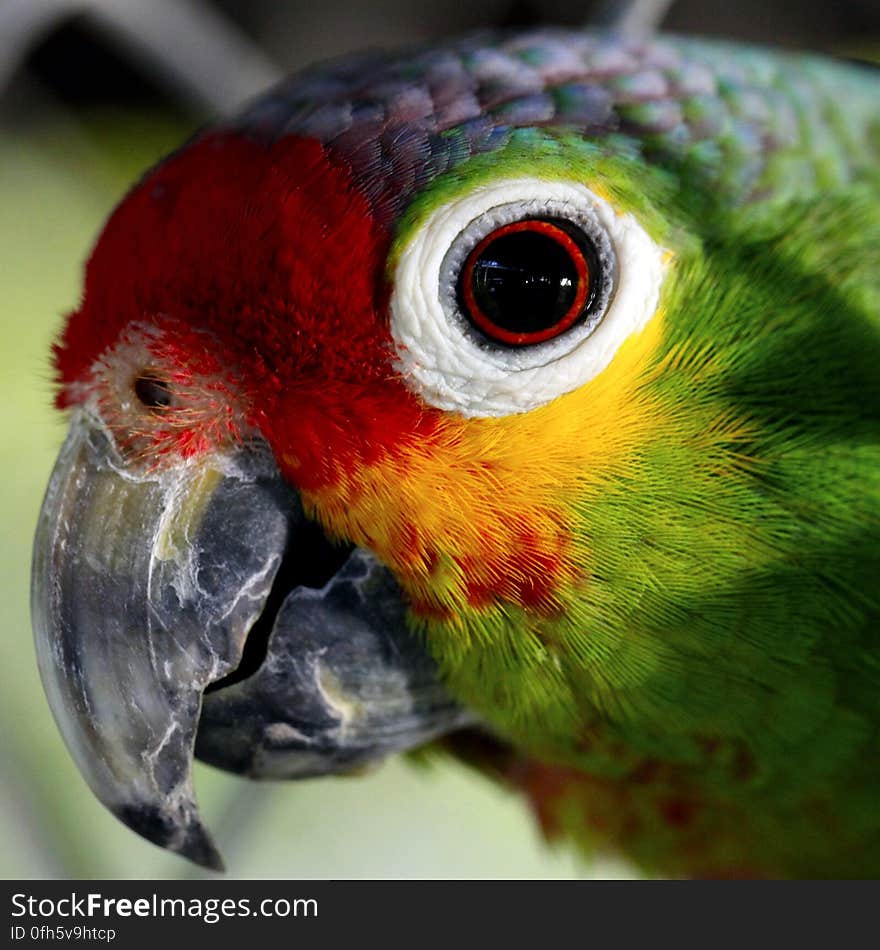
146	586
144	589
343	683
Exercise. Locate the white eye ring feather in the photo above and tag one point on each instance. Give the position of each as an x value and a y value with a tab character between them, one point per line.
443	361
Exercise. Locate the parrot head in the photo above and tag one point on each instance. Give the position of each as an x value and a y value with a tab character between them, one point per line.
459	388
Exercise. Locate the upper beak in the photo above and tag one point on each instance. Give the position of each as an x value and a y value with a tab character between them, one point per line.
146	584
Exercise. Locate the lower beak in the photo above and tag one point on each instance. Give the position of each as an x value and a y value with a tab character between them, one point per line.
148	586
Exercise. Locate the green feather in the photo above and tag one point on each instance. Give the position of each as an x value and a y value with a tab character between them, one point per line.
729	635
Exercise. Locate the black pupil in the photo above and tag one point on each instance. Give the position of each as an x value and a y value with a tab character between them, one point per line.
524	282
153	392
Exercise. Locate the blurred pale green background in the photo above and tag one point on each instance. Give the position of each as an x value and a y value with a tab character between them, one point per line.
63	165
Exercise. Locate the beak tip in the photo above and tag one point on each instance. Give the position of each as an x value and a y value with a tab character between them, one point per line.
188	838
197	846
200	849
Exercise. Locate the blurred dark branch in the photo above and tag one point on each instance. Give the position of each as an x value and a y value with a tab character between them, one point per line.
634	18
186	44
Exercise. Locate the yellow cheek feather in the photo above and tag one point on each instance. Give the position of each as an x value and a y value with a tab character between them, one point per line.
480	513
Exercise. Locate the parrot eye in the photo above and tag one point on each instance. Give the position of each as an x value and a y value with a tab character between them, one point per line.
529	281
518	291
152	391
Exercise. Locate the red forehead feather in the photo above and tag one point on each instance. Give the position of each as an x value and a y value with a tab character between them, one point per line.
269	248
275	253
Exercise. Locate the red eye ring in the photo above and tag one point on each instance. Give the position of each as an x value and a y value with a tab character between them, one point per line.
580	257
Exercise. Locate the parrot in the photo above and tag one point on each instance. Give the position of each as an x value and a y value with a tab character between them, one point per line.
512	398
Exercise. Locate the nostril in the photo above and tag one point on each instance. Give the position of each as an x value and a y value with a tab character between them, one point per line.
152	391
310	559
